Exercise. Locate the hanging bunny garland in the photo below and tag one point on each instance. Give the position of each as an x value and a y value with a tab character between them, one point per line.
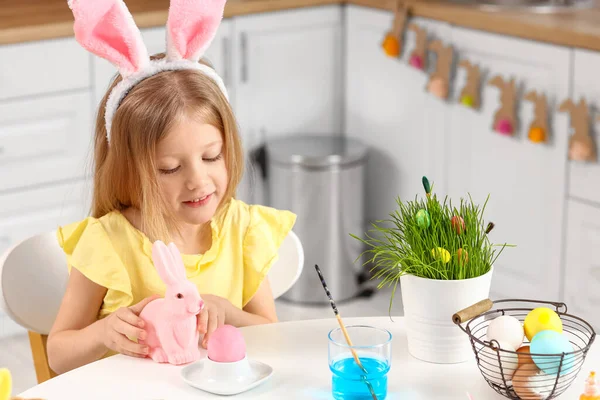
582	144
106	28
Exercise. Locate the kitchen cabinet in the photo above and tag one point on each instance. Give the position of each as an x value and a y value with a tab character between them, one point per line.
525	180
44	140
582	243
288	80
388	108
42	68
582	275
218	54
584	178
28	212
287	74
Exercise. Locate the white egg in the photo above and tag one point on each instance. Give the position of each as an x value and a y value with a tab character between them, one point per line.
490	364
506	329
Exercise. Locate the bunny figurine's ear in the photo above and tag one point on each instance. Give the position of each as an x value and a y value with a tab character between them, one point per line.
178	268
191	27
163	261
107	29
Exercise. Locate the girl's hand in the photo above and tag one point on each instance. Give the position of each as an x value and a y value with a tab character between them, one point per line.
212	316
123	323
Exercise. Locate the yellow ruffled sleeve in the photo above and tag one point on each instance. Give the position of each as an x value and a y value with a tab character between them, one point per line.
89	249
266	230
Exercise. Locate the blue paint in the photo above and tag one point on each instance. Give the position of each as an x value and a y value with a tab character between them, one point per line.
347	382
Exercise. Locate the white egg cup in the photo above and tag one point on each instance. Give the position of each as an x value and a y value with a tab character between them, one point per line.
226	378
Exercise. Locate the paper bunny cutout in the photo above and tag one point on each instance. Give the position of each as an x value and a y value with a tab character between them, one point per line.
581	143
505	120
418	57
538	129
107	29
438	81
171	322
392	42
469	96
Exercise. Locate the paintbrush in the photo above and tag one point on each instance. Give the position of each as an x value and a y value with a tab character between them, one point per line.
344	331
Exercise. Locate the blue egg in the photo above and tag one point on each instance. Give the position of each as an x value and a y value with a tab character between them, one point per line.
555	343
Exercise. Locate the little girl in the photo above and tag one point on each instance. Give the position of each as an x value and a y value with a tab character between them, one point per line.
167	162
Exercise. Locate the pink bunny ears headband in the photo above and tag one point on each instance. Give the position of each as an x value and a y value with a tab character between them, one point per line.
107	29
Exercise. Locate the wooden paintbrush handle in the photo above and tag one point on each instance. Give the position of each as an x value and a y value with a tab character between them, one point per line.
345	332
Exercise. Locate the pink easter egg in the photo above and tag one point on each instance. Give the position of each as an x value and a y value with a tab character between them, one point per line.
579	151
226	344
438	88
504	127
416	61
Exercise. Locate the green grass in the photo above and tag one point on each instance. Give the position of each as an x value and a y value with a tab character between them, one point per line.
399	245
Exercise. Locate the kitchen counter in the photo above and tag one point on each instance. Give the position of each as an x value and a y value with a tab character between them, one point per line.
31	20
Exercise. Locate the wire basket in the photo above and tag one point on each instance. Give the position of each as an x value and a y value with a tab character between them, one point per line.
544	376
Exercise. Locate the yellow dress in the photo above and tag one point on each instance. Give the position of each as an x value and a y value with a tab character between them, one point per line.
114	254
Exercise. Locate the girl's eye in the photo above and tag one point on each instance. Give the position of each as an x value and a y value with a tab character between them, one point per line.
217	158
169	171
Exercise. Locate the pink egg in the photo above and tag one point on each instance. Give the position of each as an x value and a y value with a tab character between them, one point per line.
416	61
226	344
504	127
579	152
438	88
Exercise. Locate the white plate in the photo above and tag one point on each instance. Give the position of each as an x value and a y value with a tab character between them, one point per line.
194	375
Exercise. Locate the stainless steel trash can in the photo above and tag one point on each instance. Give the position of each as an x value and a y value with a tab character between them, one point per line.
321	179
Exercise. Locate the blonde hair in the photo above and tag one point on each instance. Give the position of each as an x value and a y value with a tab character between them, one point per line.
125	174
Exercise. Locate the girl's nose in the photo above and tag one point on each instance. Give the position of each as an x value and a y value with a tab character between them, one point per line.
198	175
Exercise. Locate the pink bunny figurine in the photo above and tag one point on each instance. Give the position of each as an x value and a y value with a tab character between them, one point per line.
170	322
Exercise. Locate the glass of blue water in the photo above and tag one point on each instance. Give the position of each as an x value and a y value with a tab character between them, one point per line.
373	347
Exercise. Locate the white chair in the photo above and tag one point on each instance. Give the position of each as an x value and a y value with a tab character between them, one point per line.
288	267
33	279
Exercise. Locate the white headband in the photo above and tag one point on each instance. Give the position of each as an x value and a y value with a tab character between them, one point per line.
122	88
107	29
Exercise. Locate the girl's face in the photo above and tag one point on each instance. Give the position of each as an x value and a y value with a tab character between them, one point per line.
191	170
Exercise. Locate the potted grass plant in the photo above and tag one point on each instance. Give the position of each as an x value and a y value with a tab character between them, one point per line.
443	259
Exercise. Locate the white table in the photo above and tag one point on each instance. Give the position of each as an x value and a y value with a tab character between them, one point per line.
297	351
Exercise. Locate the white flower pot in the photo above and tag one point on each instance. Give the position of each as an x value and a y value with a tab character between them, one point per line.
428	308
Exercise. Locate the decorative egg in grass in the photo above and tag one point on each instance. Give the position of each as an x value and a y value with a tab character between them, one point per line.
546	351
489	362
423	218
506	328
541	319
458	224
463	256
442	254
